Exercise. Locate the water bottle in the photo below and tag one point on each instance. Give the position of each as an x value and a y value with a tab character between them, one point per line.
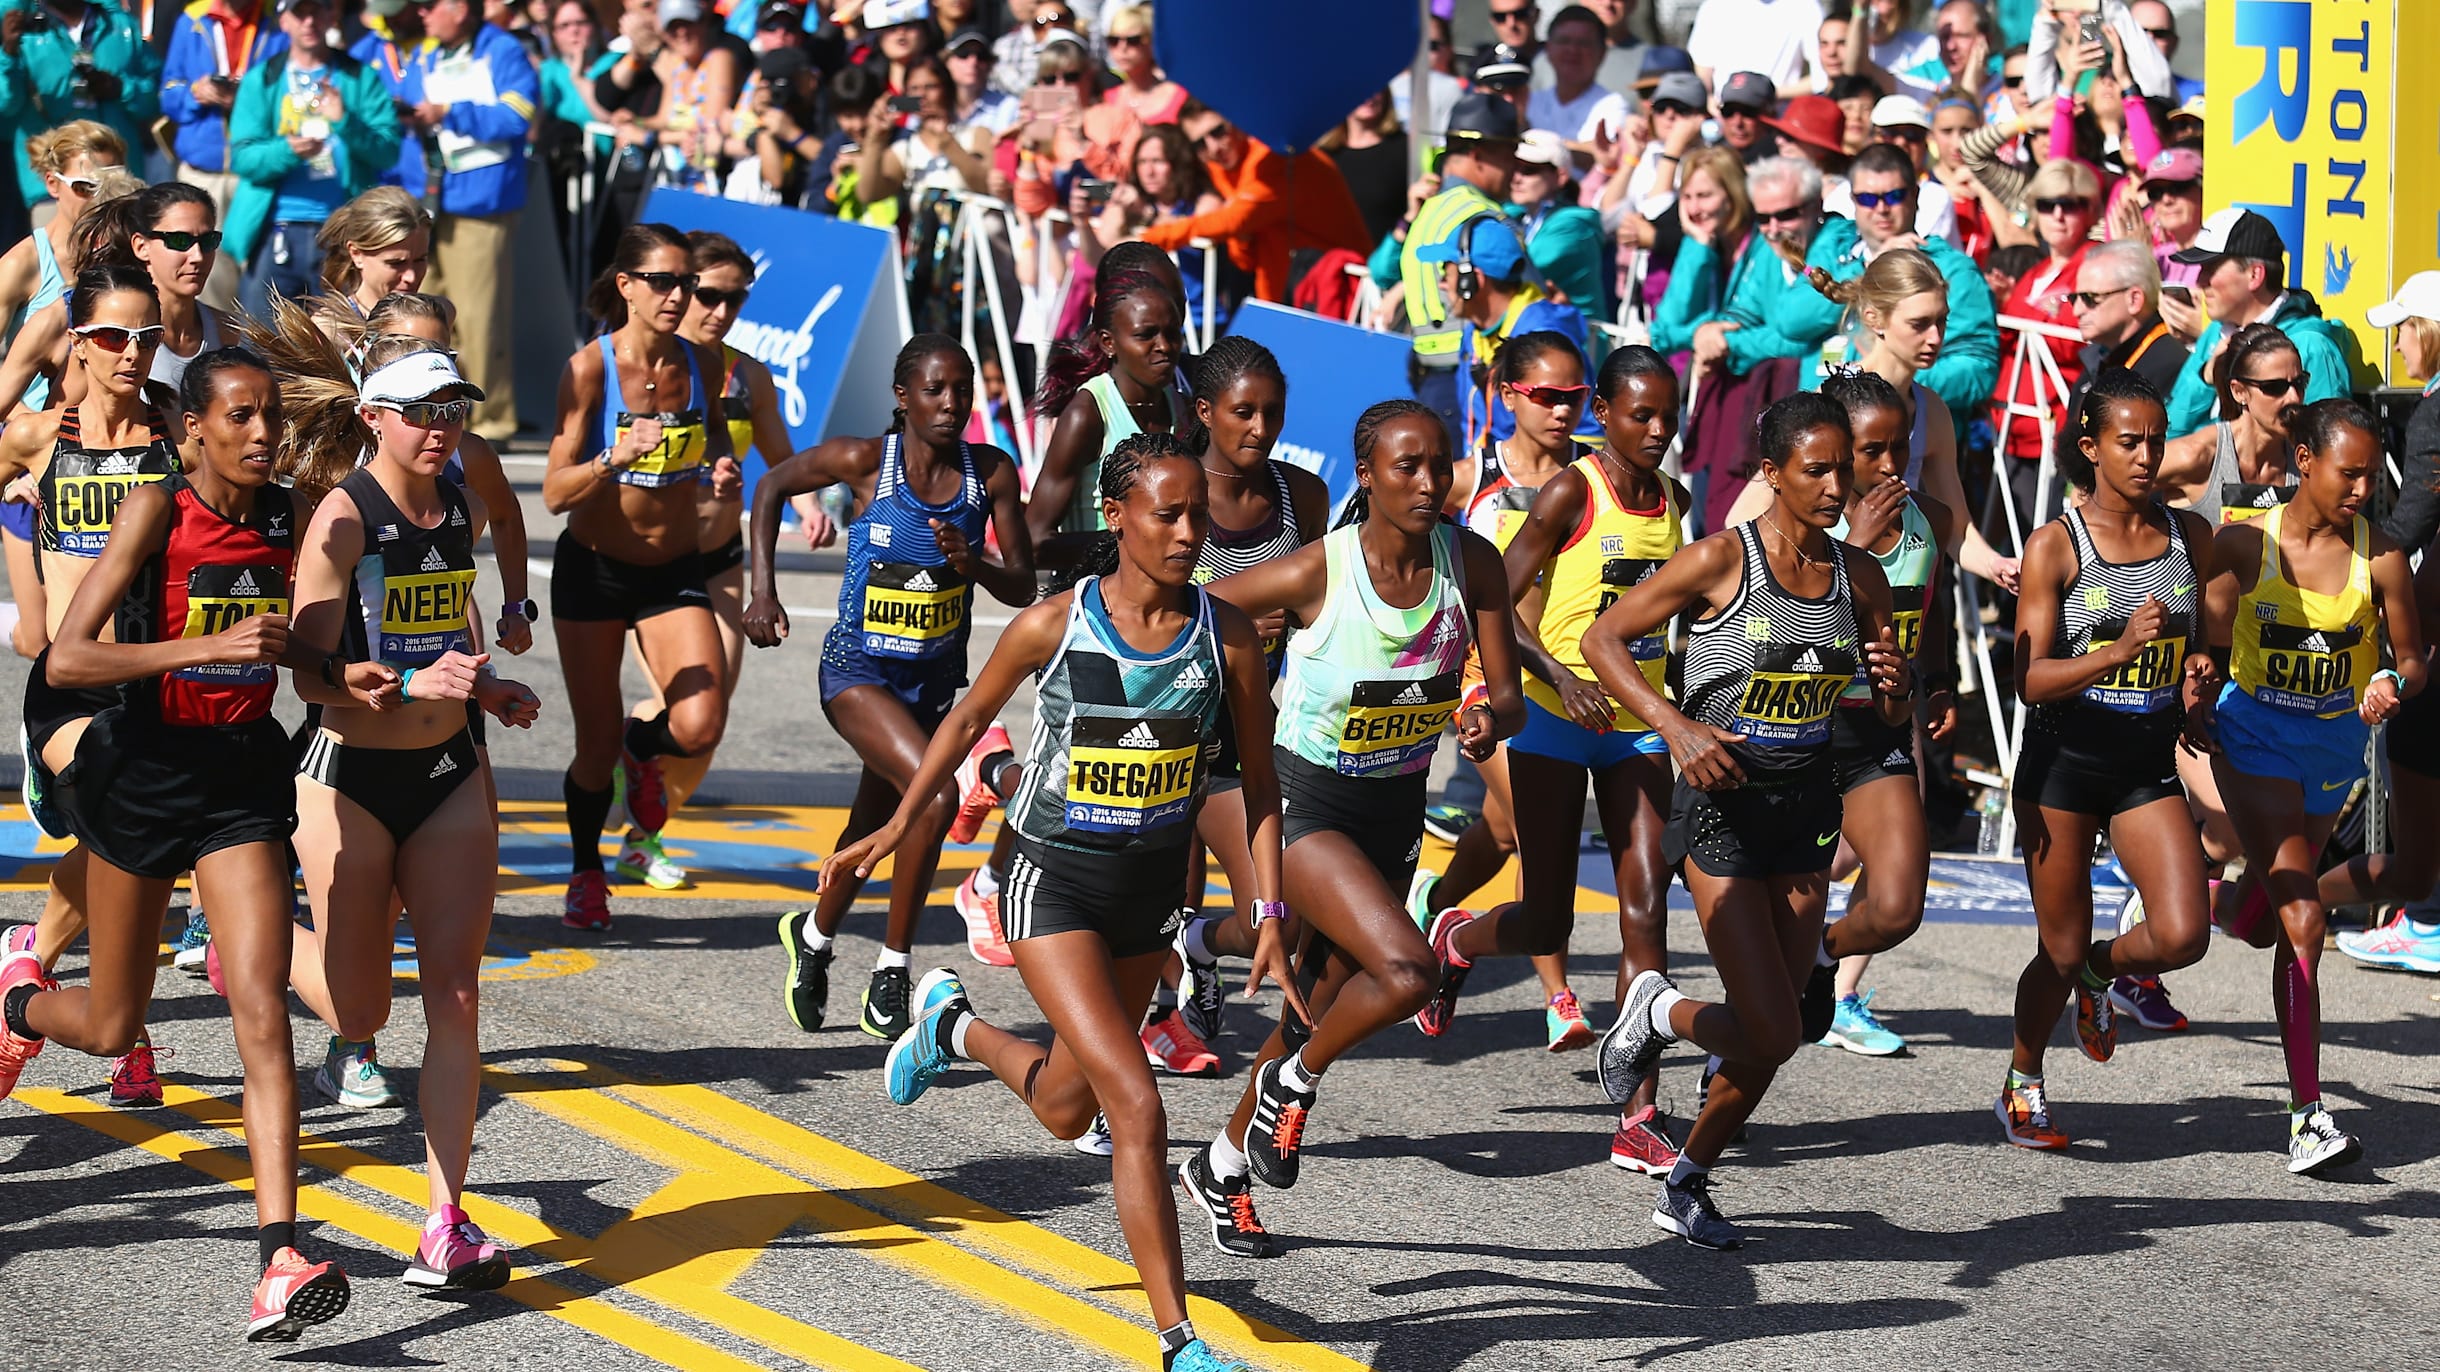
1994	804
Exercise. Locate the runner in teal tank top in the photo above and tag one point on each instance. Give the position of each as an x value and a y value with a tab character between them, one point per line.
1135	668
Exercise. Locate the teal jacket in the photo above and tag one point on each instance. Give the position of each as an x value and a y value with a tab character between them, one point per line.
1703	287
1967	369
260	156
38	87
2317	346
1565	246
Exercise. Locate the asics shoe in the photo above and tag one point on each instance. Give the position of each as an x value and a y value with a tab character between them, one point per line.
1564	1018
1632	1048
1419	896
1274	1141
2401	945
1687	1211
984	937
351	1075
1202	995
640	859
295	1295
1173	1048
807	990
455	1255
919	1058
640	792
885	1004
187	951
1228	1202
135	1082
1449	823
1197	1356
1433	1019
1854	1028
1095	1141
2146	1000
2096	1019
588	903
1641	1145
975	798
2024	1116
1819	1005
2316	1143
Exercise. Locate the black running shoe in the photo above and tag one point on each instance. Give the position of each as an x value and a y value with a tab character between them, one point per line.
1818	1007
885	1003
1276	1137
1202	994
808	987
1687	1212
1433	1019
1632	1048
1229	1205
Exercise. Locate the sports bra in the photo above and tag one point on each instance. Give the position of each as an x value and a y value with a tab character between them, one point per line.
81	489
679	456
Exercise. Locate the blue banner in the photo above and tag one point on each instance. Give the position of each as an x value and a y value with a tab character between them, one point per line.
1335	372
1238	58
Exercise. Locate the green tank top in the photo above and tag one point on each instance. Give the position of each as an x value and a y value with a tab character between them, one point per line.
1117	426
1369	686
1908	565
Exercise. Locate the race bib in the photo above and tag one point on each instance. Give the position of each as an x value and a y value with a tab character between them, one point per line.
1788	700
677	457
1393	726
1652	650
220	596
910	611
423	612
2149	684
2309	671
83	508
2250	500
1130	775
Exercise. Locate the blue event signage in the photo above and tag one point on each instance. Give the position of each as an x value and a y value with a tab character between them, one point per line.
1335	372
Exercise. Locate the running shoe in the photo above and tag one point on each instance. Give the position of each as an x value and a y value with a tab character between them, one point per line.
1632	1048
2147	1001
640	859
640	792
351	1075
975	798
17	968
2130	910
40	804
1433	1019
1274	1141
1202	995
135	1081
588	903
1641	1145
1687	1211
1819	1004
885	1004
2316	1143
187	951
807	991
1419	896
1095	1141
1197	1356
1449	823
1855	1028
1564	1018
2096	1020
1173	1048
2401	945
2024	1115
984	937
293	1296
918	1058
1228	1202
455	1255
18	939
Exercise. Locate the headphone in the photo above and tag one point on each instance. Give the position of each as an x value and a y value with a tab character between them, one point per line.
1469	277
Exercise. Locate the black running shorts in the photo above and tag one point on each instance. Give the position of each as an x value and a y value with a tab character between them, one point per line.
47	707
1382	815
1865	748
2059	776
727	555
590	587
1775	825
1131	897
401	787
151	799
2412	739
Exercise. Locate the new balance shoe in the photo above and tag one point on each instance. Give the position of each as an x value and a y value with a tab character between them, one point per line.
984	938
975	798
807	989
351	1075
1433	1019
135	1079
1448	823
456	1255
1687	1211
1818	1007
640	859
2400	945
1632	1047
1173	1048
2316	1143
293	1296
1228	1202
588	903
2024	1118
1855	1028
918	1058
1641	1145
1564	1018
2096	1018
1274	1141
186	951
1202	995
1197	1356
885	1004
1419	896
2146	1001
640	793
1095	1141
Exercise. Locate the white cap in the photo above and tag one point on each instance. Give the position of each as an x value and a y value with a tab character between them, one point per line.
417	376
1900	111
2418	298
883	14
1542	146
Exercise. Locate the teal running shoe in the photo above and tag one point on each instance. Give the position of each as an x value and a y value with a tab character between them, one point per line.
918	1057
353	1076
1419	896
1853	1028
187	952
1197	1356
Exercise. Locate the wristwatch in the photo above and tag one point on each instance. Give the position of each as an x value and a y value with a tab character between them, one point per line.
523	609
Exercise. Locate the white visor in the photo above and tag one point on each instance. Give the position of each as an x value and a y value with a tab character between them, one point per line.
417	376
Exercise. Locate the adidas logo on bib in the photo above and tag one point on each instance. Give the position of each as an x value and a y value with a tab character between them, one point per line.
245	585
2314	643
922	581
2266	498
442	768
118	464
1139	737
434	562
1194	678
1412	695
1810	662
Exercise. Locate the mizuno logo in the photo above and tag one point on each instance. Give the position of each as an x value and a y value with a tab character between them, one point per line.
434	562
922	581
1194	678
442	768
245	585
1138	737
1412	695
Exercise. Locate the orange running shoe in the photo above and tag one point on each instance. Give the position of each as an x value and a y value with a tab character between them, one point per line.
2025	1114
293	1295
1173	1048
975	798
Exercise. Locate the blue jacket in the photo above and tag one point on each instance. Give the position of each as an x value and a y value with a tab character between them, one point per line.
2298	316
202	137
1704	287
389	61
1968	366
261	157
504	122
38	86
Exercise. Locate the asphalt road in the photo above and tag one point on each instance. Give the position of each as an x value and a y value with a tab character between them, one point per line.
691	1182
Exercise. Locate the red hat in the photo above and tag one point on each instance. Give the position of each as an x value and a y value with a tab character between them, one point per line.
1813	119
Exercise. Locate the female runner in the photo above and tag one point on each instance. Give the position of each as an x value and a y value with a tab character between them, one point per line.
894	661
723	276
171	778
1599	527
2107	615
1783	617
2300	600
1387	604
1135	666
392	798
640	424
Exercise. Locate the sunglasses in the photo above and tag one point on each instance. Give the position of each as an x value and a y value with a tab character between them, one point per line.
2091	300
1065	78
82	185
662	283
2061	204
116	339
1217	133
712	299
2162	35
1794	214
208	240
1739	112
1548	397
1522	16
1879	200
2016	82
2158	188
1903	133
2277	387
432	414
1671	107
1127	40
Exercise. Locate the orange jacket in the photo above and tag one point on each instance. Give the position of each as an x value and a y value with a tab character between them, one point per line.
1271	206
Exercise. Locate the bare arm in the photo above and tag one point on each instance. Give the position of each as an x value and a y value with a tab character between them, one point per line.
489	483
1297	583
571	475
2393	588
1011	579
841	459
1495	638
1940	481
1075	439
79	657
37	349
1702	574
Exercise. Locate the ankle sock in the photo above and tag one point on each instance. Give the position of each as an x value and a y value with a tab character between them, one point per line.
2018	1080
1197	943
13	1010
955	1020
1228	1161
1174	1339
271	1238
1294	1076
891	957
815	940
1686	1169
2094	980
986	881
1662	1004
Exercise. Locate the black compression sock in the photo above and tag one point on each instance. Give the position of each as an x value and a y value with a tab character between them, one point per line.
994	769
13	1010
271	1238
586	811
650	738
944	1028
1174	1340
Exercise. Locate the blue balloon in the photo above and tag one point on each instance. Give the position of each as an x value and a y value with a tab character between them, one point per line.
1285	71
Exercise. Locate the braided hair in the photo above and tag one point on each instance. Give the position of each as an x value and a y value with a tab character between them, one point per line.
1215	369
2113	386
1368	431
1120	471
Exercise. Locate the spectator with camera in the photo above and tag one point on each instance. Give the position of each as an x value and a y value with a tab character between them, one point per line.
1260	223
64	60
211	49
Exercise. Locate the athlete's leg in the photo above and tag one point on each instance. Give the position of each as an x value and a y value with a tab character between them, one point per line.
691	671
2282	847
341	967
448	870
2220	846
1884	825
25	587
682	776
876	800
2405	873
589	658
1632	798
2058	848
247	890
2157	845
1486	845
63	906
105	1016
1549	796
884	734
1762	933
1221	827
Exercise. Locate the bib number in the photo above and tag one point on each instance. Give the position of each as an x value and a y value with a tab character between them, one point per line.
218	597
912	612
2147	685
2309	671
1788	700
1393	726
423	613
1129	776
84	507
677	457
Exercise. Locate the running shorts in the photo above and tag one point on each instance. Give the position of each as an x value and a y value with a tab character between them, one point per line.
1551	735
1783	825
151	799
1133	898
1382	815
2060	776
1865	747
591	587
926	689
2324	757
726	556
401	787
19	517
2413	736
47	707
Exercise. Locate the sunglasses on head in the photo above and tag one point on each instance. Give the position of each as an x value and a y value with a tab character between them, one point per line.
1879	200
2277	387
662	283
432	414
1794	214
1548	397
208	240
115	338
1065	78
2060	204
713	299
1052	20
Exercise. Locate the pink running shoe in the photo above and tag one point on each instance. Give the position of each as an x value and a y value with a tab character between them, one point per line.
588	904
455	1256
981	912
17	969
18	939
1173	1048
135	1083
641	792
974	794
294	1295
211	969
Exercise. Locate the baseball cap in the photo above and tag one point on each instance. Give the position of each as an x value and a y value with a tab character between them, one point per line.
1900	112
2418	298
774	13
2233	233
2174	164
1543	148
1501	67
1049	37
1659	61
680	12
1481	115
1679	88
889	14
1751	89
416	376
967	37
1494	246
1813	120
